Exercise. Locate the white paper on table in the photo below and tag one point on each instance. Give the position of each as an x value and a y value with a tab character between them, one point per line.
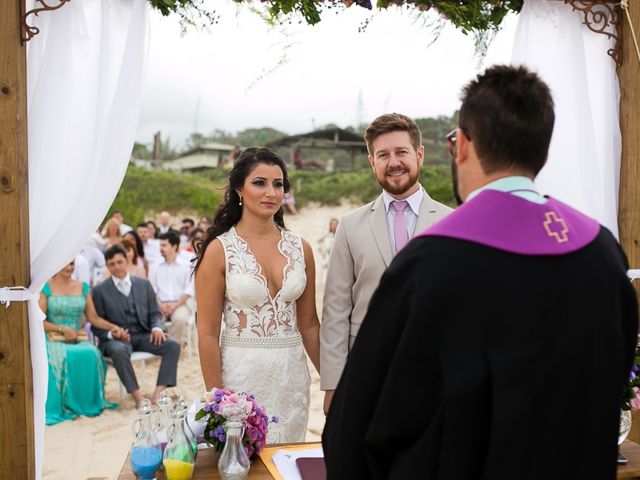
285	461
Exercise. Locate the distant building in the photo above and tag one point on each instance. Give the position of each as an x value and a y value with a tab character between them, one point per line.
207	155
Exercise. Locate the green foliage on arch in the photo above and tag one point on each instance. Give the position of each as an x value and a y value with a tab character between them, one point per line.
470	16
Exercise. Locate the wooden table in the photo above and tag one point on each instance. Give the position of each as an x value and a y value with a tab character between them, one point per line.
631	470
207	466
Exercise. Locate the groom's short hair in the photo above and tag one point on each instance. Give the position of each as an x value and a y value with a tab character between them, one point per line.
392	122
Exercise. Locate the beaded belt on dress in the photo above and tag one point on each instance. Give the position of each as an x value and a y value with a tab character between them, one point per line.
261	342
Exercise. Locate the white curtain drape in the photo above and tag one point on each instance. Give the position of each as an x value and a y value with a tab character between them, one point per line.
85	74
583	168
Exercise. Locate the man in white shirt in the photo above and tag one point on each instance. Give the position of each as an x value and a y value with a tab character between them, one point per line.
150	245
124	228
96	262
173	286
164	222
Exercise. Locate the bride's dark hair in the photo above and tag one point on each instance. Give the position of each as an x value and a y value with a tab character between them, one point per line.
230	210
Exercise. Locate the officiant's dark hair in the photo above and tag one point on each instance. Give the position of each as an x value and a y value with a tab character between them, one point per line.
507	112
230	210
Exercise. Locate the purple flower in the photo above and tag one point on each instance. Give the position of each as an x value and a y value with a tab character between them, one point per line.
275	419
217	395
249	450
219	433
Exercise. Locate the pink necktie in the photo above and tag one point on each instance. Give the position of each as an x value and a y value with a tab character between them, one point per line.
400	234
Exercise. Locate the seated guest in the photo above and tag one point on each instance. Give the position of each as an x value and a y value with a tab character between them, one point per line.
111	233
171	281
76	368
95	258
164	223
185	230
150	245
138	248
204	224
188	253
153	229
134	266
130	303
82	271
124	228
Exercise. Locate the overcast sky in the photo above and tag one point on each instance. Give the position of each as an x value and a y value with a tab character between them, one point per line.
243	73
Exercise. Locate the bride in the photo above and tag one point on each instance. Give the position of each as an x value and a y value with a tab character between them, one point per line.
255	280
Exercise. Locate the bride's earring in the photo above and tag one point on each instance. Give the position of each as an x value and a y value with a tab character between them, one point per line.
240	202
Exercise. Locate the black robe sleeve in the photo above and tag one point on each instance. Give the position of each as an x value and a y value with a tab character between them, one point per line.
382	398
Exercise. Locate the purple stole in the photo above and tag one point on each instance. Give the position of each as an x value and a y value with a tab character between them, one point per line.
511	223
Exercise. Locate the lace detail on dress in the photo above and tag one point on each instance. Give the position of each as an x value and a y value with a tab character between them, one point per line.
249	310
261	347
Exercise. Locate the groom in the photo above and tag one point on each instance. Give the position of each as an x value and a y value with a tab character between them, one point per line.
368	238
130	303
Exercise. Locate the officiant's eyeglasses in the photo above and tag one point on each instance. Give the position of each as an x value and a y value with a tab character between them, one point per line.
452	138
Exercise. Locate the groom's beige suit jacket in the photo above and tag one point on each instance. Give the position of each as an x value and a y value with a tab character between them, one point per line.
361	252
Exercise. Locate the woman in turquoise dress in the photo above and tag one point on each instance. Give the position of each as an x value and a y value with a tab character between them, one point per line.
76	368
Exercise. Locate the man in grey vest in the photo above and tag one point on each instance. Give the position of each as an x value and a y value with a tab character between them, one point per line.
130	303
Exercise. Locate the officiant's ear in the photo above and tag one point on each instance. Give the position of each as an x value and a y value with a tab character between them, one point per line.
464	147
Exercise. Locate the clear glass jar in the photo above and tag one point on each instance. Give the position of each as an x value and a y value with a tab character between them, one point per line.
234	461
625	425
146	454
190	435
161	428
179	459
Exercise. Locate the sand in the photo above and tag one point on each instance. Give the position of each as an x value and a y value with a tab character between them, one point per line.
95	448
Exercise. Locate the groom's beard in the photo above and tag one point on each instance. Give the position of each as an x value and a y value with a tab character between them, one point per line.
454	179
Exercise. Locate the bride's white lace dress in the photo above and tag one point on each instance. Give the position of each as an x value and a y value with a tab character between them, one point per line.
260	345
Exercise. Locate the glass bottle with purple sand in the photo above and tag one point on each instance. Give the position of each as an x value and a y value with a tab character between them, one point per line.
161	428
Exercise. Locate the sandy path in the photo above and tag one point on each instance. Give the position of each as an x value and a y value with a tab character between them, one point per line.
95	448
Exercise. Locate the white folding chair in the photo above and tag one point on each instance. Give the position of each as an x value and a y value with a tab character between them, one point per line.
136	357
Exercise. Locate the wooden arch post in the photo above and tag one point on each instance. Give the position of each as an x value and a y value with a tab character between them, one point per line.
629	207
17	454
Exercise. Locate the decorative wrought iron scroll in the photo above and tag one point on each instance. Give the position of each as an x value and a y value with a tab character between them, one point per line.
29	31
599	16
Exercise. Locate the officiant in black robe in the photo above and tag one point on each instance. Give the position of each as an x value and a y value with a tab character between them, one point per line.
498	341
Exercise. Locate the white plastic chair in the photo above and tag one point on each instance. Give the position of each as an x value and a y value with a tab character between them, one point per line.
136	357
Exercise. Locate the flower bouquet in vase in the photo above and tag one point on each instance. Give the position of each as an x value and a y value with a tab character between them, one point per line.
219	405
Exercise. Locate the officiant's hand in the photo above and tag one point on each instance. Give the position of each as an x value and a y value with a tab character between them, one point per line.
157	337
